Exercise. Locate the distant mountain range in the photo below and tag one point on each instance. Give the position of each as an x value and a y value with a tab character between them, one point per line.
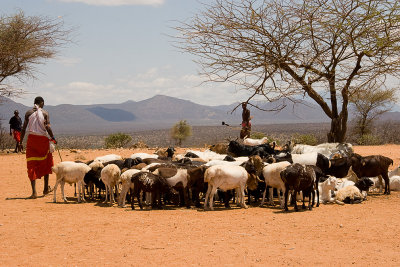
161	112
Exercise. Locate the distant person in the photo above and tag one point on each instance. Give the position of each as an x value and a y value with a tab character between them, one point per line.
246	124
15	130
39	160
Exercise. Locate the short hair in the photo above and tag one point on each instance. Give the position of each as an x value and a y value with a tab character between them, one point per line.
16	111
38	100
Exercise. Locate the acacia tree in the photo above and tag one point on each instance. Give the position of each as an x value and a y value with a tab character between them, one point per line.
25	42
370	102
180	131
286	49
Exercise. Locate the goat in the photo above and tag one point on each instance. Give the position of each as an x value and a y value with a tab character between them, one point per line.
70	172
107	158
299	177
226	178
273	179
110	175
148	182
127	184
325	189
254	142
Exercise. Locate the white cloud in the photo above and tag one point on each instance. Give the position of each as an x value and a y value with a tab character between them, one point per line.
69	61
117	2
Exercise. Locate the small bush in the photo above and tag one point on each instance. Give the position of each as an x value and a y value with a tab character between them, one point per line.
117	140
306	139
257	135
369	140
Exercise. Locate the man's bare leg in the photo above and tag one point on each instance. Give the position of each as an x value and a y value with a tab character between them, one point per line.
46	188
34	194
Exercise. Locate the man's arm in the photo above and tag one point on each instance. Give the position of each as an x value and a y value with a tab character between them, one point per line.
26	120
47	125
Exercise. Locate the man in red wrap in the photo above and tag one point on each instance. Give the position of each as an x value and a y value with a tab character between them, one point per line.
246	124
38	156
15	130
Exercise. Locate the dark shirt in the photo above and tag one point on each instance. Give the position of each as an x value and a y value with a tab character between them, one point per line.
246	115
16	123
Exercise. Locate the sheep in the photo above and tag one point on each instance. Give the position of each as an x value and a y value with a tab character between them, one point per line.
325	189
349	194
254	142
110	175
394	183
273	179
395	172
70	172
196	183
148	182
178	180
227	178
92	177
207	155
107	158
143	156
223	162
314	158
299	177
127	184
327	149
219	148
363	185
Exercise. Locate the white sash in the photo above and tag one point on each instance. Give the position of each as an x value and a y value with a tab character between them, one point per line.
36	122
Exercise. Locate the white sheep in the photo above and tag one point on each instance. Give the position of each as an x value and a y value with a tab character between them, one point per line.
254	142
395	172
350	192
144	156
327	149
108	158
126	185
110	175
225	178
325	189
272	176
223	162
207	155
342	183
70	172
394	183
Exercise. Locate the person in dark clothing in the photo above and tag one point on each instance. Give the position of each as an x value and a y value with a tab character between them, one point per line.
246	124
15	130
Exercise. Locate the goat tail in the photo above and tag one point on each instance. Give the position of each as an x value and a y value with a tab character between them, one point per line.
339	202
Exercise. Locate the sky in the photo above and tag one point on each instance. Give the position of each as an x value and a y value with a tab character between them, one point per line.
121	50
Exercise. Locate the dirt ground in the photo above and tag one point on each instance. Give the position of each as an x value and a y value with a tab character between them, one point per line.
42	233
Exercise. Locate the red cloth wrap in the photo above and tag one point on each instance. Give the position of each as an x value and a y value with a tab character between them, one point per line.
39	160
17	135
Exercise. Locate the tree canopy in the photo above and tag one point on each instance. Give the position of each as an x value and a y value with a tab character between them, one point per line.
291	49
25	42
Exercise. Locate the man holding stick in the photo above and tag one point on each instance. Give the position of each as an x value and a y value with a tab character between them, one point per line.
38	156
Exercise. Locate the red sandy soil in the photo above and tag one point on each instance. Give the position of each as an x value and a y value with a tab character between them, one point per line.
42	233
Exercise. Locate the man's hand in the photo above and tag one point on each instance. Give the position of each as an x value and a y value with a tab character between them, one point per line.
53	140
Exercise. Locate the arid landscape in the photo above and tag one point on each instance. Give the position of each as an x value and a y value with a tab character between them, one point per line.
42	233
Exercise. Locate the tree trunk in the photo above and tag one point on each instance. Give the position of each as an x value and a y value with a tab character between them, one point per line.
337	134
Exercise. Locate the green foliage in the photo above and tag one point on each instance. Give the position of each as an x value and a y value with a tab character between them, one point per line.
306	139
117	140
369	140
257	135
180	131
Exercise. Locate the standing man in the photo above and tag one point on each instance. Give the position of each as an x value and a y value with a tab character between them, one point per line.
15	130
39	160
246	124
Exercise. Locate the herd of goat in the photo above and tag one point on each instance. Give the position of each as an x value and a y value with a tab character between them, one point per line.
327	173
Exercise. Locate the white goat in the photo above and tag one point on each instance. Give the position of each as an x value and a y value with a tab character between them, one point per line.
207	155
254	142
394	183
325	189
70	172
395	172
126	185
108	158
110	175
351	192
144	156
223	162
327	149
272	176
225	178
